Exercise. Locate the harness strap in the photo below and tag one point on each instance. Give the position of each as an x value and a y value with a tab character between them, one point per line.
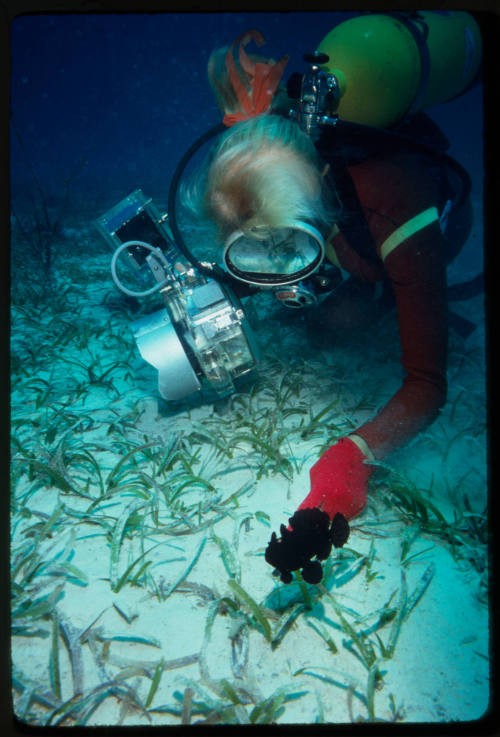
352	222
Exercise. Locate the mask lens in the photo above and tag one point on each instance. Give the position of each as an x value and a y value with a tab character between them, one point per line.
280	257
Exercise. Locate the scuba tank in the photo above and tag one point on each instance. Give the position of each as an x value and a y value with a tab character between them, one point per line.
394	64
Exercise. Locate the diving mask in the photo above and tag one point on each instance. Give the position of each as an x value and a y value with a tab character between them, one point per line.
274	257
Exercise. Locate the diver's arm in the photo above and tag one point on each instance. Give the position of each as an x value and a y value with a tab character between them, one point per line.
418	275
340	477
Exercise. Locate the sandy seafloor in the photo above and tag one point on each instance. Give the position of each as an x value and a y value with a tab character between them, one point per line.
138	528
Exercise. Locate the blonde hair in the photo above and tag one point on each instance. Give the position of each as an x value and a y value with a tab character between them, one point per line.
264	173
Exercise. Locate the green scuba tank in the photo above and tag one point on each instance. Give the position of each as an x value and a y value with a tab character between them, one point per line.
388	65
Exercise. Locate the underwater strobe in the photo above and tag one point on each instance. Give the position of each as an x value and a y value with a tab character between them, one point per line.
200	341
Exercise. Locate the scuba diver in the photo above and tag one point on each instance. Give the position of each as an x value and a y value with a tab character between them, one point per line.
362	184
336	193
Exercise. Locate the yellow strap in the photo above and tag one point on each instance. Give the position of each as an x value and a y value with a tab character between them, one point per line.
408	229
395	239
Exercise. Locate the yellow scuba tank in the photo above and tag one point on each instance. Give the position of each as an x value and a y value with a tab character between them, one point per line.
388	65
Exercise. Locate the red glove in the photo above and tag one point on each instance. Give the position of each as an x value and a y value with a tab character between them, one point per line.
338	481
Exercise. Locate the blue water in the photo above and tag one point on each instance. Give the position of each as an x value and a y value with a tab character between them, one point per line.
129	92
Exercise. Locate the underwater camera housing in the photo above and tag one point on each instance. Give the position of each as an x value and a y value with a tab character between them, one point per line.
200	341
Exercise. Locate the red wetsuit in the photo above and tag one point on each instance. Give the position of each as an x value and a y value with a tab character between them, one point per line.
393	189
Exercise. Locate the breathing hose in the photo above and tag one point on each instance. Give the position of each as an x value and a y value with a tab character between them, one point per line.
211	270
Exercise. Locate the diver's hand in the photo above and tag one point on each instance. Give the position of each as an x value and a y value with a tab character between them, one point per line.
338	480
338	493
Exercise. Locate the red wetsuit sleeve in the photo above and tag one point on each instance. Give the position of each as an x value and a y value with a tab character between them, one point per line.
392	191
418	275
